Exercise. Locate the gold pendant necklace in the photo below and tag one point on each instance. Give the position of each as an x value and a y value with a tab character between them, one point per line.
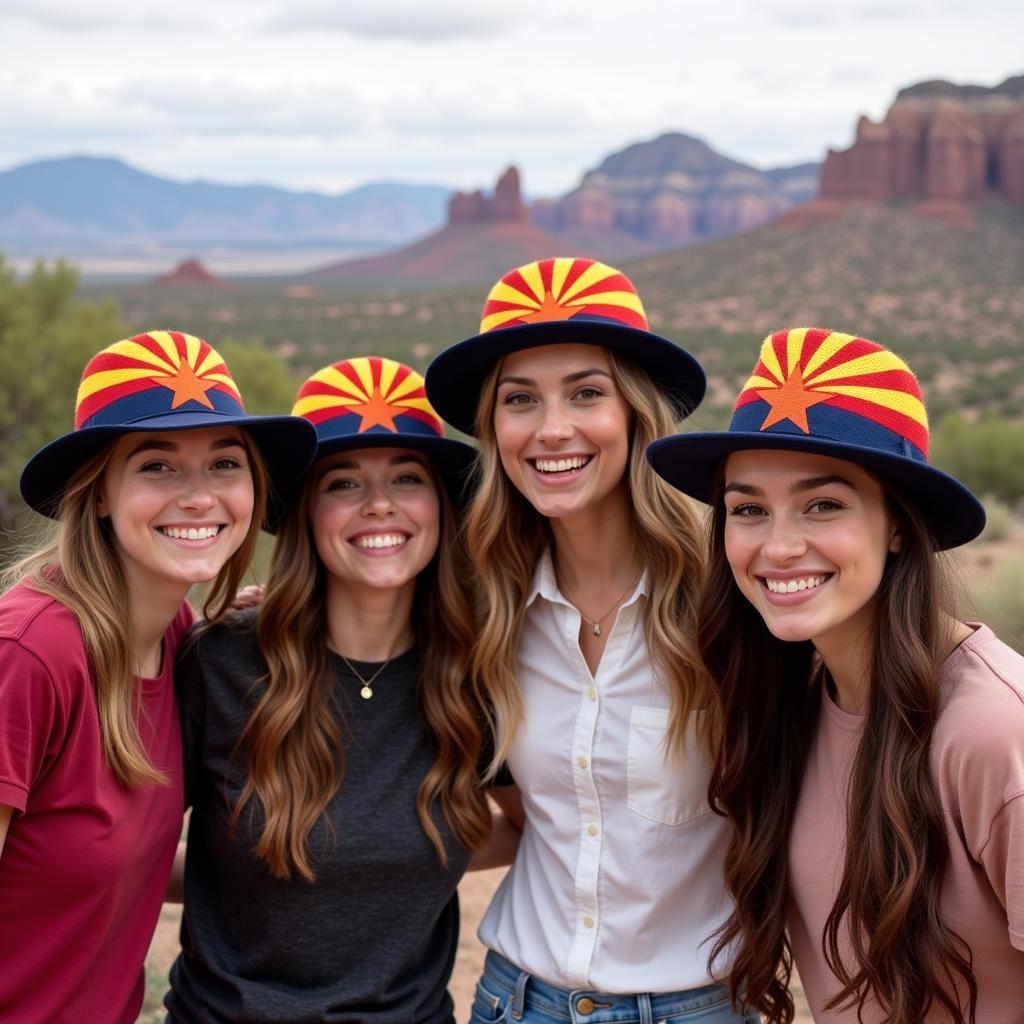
367	690
595	624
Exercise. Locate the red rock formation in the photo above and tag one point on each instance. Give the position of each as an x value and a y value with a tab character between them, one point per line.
475	208
189	271
942	146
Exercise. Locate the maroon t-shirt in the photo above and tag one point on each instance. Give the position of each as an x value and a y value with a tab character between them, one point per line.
85	865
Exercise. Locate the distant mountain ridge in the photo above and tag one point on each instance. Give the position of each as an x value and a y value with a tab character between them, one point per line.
84	198
675	190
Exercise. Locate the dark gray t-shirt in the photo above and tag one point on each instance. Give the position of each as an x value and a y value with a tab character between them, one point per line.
374	938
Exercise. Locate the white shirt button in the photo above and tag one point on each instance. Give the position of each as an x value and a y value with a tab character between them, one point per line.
588	922
592	830
582	761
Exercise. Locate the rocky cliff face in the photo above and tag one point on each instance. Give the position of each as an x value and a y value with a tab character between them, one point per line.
475	208
938	141
674	191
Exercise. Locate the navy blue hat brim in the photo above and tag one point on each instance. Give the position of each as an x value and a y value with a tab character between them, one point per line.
286	443
453	459
689	462
456	376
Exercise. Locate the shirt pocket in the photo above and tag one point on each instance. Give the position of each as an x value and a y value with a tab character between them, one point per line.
670	790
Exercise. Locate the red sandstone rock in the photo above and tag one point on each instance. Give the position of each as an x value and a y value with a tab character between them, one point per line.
189	271
476	208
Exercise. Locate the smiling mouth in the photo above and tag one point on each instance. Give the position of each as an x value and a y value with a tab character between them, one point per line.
570	464
191	532
793	586
380	540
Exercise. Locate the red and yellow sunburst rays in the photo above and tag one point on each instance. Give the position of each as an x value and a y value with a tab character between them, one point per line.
187	366
805	367
561	288
377	390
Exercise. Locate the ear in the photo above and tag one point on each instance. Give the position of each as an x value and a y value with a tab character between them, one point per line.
895	541
102	512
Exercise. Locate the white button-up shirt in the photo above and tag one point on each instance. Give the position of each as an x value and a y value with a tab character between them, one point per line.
617	885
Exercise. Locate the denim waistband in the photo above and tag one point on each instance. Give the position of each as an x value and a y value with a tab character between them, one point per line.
587	1006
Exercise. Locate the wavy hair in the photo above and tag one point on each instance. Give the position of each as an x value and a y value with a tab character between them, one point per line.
79	567
505	537
292	744
887	909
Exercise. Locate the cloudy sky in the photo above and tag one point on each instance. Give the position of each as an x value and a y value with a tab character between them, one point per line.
328	94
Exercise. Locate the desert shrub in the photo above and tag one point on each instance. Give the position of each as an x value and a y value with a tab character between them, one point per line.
1000	602
999	518
987	455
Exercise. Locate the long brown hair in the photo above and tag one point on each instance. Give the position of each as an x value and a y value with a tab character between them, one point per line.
887	905
505	537
79	567
292	745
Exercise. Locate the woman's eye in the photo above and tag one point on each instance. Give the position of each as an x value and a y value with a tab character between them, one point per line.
154	466
825	505
516	398
339	483
589	391
227	462
746	510
409	478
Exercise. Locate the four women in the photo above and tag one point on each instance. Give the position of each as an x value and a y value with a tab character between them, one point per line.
862	745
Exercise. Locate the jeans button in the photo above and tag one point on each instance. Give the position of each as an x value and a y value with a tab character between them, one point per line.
585	1005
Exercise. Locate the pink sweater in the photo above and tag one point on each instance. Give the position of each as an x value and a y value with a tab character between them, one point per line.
977	761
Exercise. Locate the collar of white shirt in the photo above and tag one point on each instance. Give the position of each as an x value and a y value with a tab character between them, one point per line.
545	584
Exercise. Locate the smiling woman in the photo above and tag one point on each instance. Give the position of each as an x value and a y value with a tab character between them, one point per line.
871	754
333	741
160	486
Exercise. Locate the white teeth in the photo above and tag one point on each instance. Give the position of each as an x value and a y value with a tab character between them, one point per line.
190	532
381	540
792	586
561	465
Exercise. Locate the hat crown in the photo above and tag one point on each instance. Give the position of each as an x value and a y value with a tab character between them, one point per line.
155	374
563	288
837	387
367	395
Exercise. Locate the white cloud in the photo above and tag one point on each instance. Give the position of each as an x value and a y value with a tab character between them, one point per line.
400	19
97	16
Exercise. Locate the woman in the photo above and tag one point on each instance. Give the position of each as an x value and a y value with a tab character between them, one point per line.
332	746
589	569
161	485
872	758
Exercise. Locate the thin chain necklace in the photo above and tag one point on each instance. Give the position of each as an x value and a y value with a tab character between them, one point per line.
595	624
367	691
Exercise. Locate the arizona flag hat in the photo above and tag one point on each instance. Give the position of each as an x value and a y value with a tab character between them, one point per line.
830	394
373	402
161	380
560	300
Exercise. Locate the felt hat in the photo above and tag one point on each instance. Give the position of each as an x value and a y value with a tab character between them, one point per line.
373	402
830	394
568	301
158	381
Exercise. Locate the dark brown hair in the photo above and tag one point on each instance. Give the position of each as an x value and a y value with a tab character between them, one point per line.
887	909
292	744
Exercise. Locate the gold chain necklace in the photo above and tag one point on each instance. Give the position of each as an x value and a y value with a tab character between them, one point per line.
595	624
367	691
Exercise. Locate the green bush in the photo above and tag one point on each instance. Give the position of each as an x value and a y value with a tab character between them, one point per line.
1000	602
987	455
999	519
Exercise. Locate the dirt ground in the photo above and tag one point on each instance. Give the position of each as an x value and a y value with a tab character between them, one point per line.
474	895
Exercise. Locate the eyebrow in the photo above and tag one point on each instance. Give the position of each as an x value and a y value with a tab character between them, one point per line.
569	378
810	484
170	446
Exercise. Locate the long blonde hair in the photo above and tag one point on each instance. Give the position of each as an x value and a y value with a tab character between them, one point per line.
79	567
505	537
291	744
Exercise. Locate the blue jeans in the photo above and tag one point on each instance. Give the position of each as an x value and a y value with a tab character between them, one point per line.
508	995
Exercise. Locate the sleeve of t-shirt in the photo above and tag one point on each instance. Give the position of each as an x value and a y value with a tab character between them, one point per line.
189	688
31	722
1003	858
